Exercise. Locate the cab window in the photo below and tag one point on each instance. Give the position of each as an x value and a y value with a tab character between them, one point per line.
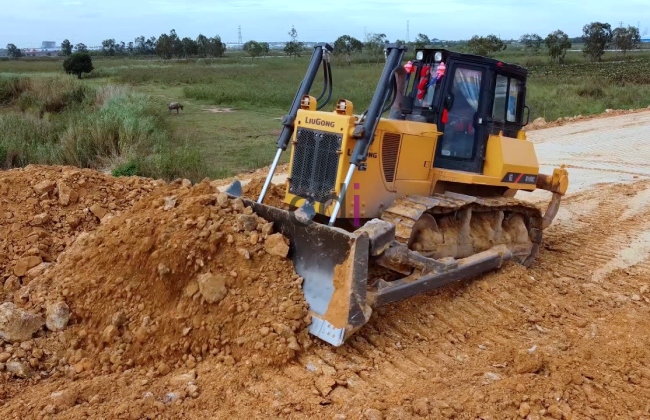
513	97
506	98
499	107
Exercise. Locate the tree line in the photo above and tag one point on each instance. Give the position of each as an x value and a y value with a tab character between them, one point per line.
596	38
293	48
165	46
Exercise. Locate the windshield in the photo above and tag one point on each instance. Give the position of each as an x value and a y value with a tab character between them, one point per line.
428	83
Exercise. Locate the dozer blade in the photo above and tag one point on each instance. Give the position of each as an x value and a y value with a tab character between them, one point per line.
339	285
334	266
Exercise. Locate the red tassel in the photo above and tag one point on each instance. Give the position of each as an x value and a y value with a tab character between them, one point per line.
445	116
421	86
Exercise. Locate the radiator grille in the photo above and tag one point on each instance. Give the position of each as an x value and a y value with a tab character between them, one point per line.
315	164
389	153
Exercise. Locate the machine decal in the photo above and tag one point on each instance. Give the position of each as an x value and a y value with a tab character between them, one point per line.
319	121
372	155
519	178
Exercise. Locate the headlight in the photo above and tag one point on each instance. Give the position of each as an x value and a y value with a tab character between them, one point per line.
438	56
419	55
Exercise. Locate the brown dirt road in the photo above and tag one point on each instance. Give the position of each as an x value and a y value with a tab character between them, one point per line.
151	336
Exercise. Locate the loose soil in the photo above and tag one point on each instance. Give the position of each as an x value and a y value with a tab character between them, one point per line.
182	305
540	122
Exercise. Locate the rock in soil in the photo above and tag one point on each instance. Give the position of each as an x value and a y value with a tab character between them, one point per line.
17	325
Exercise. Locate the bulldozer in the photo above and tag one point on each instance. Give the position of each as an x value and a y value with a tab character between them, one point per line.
414	193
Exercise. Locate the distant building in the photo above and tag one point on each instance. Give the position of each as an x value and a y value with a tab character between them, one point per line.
48	45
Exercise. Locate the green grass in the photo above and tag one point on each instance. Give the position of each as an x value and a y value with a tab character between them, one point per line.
588	88
116	118
59	120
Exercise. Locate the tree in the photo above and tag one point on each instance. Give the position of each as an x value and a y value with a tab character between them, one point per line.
422	41
486	46
626	39
119	48
293	48
596	37
66	47
532	43
78	63
203	45
13	51
164	46
81	47
216	47
375	44
190	47
254	48
346	44
140	47
176	44
557	44
108	47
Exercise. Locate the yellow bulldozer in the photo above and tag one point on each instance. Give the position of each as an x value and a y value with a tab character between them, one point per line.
381	208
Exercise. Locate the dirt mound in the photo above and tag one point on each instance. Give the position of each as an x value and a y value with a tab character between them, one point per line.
43	209
540	123
274	194
250	174
187	273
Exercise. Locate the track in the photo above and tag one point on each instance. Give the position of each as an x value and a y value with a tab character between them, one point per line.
457	226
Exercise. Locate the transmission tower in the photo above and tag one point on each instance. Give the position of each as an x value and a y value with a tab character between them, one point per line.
239	35
408	39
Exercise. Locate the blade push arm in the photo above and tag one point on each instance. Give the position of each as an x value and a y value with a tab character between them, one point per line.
365	133
289	119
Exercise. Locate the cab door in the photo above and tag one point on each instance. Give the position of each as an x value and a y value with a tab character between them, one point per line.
464	101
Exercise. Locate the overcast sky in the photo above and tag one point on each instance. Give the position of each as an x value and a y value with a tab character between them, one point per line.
28	22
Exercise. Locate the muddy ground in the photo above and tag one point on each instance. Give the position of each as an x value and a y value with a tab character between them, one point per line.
133	298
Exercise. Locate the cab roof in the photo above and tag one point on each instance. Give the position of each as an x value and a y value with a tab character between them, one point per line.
429	52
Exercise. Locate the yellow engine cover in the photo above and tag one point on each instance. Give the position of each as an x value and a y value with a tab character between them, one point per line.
400	162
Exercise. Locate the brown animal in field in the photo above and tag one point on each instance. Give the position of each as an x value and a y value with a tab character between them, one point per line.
176	106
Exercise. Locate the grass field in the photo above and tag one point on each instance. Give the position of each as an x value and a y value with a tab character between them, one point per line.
116	118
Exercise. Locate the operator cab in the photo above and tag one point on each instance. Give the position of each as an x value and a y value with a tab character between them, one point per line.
468	97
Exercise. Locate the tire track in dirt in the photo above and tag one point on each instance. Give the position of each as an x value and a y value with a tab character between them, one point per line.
458	341
615	237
